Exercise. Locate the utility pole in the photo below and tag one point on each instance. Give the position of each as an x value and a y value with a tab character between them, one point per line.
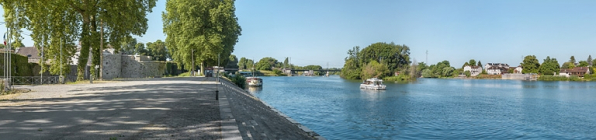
192	66
217	85
42	46
101	53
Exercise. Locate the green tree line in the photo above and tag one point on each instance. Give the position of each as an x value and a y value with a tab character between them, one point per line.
376	60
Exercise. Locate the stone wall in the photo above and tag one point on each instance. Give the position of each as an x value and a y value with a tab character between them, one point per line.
112	66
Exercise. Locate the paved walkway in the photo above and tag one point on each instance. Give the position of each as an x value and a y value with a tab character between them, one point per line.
167	108
162	108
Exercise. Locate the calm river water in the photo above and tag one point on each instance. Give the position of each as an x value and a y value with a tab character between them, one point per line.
436	108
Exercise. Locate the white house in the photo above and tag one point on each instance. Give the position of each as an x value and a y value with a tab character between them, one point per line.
496	68
474	70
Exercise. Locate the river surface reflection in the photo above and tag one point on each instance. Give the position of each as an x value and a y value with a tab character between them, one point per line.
436	108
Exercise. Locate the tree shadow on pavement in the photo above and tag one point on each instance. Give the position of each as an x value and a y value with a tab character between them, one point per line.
157	110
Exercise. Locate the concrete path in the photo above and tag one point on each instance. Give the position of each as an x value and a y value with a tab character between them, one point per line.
162	108
166	108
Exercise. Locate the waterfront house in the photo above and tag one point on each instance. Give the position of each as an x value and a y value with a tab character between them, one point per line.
496	68
577	71
474	70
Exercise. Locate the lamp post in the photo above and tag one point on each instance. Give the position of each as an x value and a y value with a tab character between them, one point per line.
217	85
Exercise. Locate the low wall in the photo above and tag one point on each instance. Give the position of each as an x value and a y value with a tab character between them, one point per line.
518	76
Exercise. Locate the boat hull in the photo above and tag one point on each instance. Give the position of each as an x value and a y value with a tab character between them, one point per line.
373	87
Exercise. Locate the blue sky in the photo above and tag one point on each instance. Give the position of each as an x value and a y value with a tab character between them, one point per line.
320	32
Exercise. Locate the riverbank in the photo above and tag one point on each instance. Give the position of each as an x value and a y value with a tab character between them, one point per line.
160	108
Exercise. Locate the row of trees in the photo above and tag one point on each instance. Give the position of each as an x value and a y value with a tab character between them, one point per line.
157	49
550	66
57	27
376	60
269	63
200	30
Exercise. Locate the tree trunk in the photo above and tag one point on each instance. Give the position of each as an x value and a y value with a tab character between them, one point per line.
94	43
84	53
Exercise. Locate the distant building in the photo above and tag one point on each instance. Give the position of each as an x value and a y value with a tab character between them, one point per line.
474	70
577	71
516	70
496	68
30	52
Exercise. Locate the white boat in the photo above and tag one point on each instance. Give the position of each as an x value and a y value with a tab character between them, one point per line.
254	81
373	84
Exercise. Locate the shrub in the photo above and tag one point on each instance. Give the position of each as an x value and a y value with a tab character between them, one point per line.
552	78
587	76
574	78
277	72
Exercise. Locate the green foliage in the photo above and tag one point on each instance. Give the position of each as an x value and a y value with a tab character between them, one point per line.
574	78
483	71
245	63
232	62
427	73
237	79
350	70
157	50
206	29
390	54
530	64
448	72
583	64
266	63
57	24
20	65
589	60
587	76
140	49
472	62
566	65
286	62
375	69
467	73
128	46
572	59
399	78
437	69
465	64
479	64
549	66
552	78
277	72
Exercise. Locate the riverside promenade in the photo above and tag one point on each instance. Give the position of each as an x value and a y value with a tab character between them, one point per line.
161	108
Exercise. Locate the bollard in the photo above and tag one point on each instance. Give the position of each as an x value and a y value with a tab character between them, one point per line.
216	95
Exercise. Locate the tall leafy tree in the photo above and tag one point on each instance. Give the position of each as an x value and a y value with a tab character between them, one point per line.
266	63
128	46
286	62
158	50
479	63
530	64
203	28
58	25
232	62
589	60
242	63
583	64
572	59
140	49
549	66
472	62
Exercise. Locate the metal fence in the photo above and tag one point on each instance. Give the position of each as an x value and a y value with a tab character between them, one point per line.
34	80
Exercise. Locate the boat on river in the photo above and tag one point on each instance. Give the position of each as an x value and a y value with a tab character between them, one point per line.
373	84
254	81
